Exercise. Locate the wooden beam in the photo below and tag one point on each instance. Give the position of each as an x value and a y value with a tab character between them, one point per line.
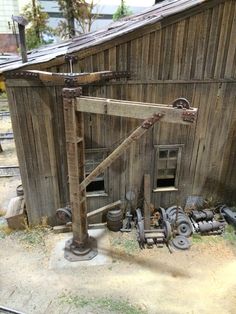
134	136
104	208
137	110
73	79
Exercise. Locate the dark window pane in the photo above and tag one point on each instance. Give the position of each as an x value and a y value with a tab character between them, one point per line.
173	153
162	164
172	164
163	153
96	186
163	183
171	173
161	173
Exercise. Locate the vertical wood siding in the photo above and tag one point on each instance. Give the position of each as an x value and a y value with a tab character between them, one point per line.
193	58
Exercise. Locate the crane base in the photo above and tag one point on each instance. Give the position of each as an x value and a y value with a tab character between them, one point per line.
87	252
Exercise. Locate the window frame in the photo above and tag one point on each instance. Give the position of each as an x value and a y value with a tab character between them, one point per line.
157	148
106	177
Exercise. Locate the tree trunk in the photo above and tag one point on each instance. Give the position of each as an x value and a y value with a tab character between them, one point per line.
70	18
37	32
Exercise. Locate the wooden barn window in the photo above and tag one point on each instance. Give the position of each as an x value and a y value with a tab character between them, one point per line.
93	157
167	167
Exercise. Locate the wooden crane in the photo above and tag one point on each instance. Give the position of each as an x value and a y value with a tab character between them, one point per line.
81	246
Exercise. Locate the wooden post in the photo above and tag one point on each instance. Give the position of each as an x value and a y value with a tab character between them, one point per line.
80	247
147	200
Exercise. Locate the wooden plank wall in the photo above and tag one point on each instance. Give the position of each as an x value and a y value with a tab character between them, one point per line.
194	58
38	125
208	153
198	47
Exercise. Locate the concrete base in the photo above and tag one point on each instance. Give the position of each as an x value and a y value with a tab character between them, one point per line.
58	261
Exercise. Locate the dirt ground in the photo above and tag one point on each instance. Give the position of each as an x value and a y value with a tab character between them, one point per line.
201	280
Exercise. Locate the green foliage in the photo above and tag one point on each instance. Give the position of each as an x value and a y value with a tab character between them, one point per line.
103	304
76	11
127	245
230	235
122	11
37	28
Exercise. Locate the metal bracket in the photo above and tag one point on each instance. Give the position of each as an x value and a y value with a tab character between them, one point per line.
74	252
72	58
23	74
70	81
72	92
115	74
150	121
189	116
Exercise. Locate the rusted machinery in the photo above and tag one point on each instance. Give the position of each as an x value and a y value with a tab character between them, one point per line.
228	215
180	222
160	233
171	227
204	222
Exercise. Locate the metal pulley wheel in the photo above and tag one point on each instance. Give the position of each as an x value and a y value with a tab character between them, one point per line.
167	230
181	103
173	209
184	228
181	243
180	216
162	212
64	214
141	234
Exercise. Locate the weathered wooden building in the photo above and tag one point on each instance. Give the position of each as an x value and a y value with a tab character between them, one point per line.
184	48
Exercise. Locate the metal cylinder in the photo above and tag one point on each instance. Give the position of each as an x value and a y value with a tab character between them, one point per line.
209	226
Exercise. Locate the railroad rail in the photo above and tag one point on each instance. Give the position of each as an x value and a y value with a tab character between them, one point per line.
4	114
9	171
6	136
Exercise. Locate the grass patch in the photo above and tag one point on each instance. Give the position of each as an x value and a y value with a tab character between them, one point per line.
198	238
5	231
229	235
33	236
128	245
104	304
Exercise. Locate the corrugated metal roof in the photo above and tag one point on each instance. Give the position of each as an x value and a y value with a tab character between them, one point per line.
129	24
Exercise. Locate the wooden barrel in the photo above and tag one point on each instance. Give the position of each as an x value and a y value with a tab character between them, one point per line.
19	190
115	220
